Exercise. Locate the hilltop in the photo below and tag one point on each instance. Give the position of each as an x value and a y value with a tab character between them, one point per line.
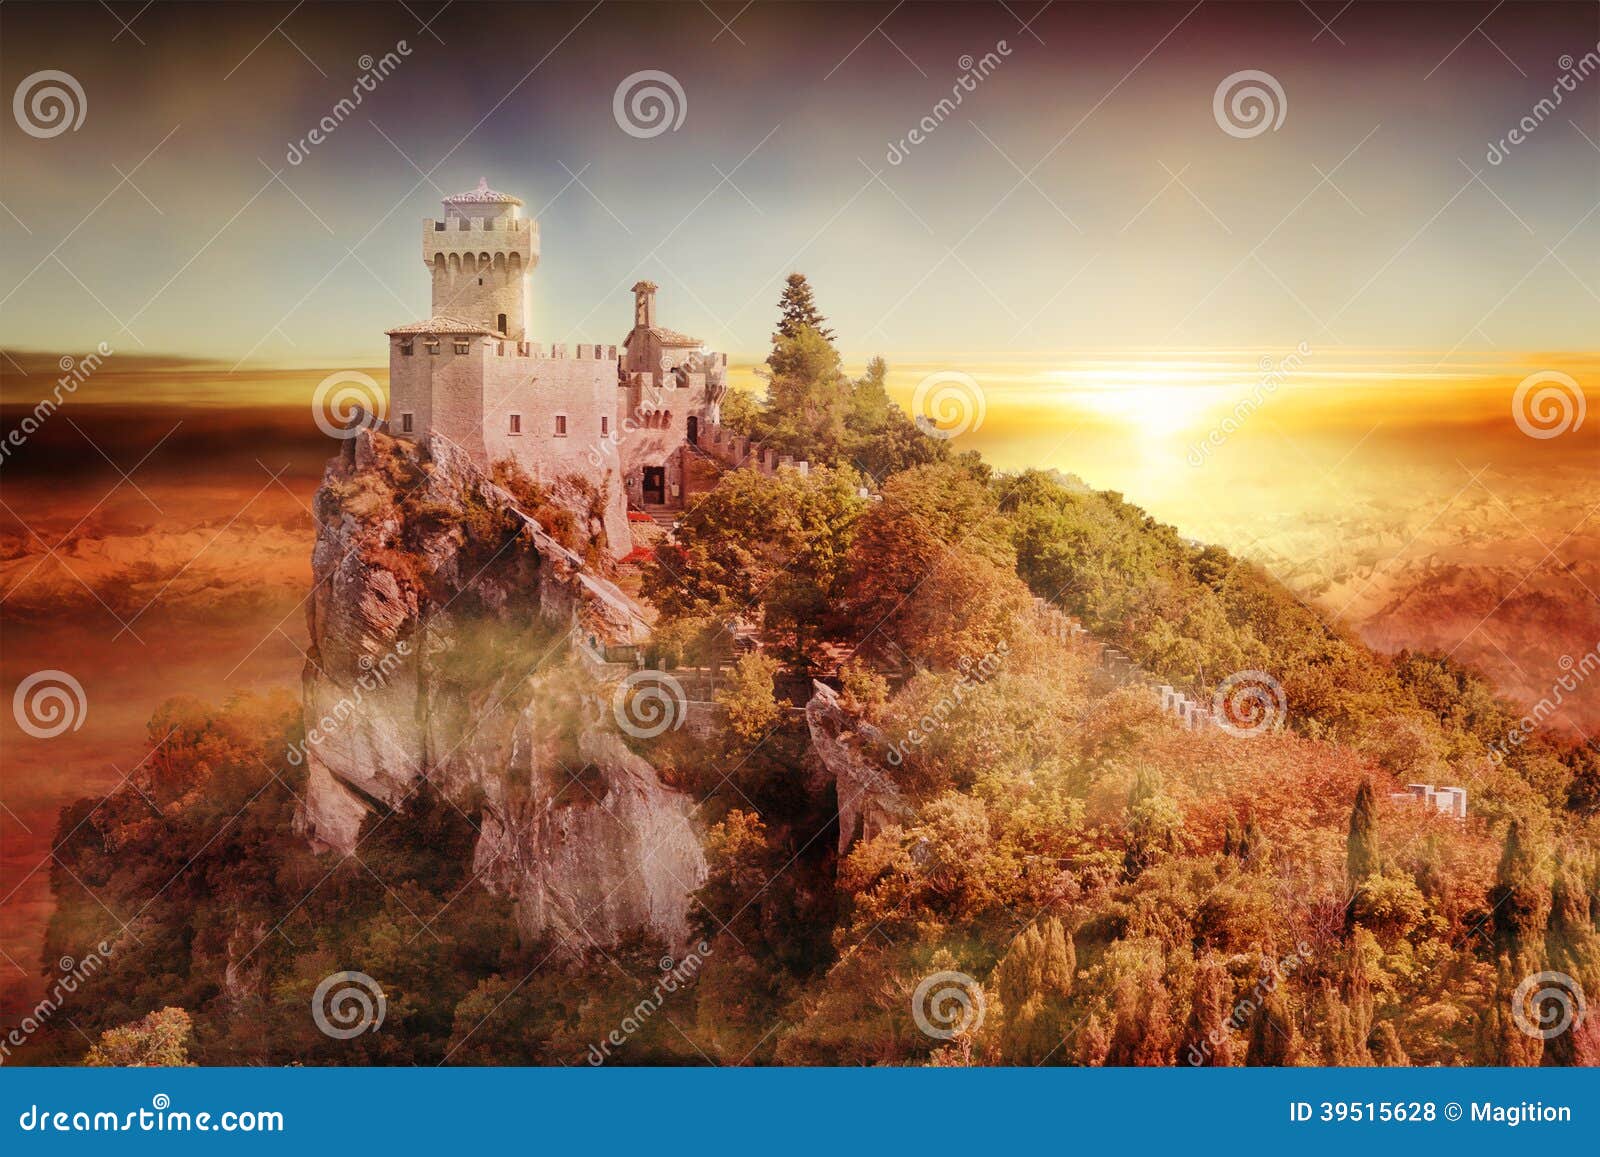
900	818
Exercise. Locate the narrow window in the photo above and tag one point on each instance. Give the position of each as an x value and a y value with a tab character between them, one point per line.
605	425
405	423
516	423
502	323
561	425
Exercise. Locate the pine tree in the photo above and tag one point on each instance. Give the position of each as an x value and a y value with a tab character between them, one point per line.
798	309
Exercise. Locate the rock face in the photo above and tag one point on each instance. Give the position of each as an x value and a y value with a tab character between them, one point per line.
448	638
850	750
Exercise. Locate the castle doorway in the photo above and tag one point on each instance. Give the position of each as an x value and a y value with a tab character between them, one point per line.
694	430
655	484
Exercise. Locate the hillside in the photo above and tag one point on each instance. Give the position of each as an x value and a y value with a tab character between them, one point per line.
975	844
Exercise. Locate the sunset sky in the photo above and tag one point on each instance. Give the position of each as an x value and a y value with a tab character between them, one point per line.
1083	196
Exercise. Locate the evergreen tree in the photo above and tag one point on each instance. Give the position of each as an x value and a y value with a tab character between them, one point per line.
1386	1048
1208	1039
1361	860
1034	980
1519	901
1572	947
1361	847
1274	1039
798	310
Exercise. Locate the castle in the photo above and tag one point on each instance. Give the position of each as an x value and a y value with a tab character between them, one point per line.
641	425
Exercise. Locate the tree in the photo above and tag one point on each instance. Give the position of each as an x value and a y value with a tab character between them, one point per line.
798	310
1361	860
1208	1038
1034	980
747	698
160	1039
1274	1039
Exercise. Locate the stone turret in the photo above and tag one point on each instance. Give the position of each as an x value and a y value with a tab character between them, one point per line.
480	254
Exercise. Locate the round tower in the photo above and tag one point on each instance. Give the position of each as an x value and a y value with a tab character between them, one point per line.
480	254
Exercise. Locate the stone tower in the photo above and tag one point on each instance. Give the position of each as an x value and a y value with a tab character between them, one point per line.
480	255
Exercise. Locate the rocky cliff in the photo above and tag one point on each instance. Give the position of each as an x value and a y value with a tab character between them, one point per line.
852	753
450	621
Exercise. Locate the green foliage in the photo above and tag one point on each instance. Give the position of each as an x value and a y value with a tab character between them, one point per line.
159	1039
752	710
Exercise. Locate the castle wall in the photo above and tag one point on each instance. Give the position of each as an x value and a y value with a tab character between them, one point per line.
443	393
